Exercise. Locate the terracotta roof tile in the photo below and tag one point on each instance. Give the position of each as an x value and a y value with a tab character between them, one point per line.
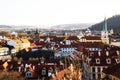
113	70
92	37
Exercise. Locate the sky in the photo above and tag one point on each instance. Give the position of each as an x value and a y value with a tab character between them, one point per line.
55	12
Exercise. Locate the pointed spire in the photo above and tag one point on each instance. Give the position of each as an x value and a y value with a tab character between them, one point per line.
105	25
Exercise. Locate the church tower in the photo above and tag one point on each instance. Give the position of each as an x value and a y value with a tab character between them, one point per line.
104	33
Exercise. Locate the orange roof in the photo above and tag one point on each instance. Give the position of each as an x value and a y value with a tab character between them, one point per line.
24	40
0	46
32	44
61	74
17	40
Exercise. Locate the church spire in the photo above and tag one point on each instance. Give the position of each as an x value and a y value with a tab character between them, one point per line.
105	25
104	33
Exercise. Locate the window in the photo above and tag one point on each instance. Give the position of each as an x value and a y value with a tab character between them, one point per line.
97	61
43	72
117	60
49	73
28	74
108	61
107	53
99	69
117	53
99	53
91	53
96	49
99	76
93	69
81	40
94	76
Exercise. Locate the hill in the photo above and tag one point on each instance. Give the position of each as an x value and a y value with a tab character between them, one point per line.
56	27
5	26
71	26
112	23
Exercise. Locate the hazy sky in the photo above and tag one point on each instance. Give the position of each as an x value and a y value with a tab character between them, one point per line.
54	12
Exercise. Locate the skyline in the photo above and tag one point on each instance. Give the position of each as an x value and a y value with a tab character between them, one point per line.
55	12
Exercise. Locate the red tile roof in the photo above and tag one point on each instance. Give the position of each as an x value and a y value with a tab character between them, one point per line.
60	75
73	38
92	37
91	44
113	70
32	44
112	55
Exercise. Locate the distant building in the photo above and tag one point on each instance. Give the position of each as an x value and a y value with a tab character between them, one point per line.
14	34
80	35
90	39
19	44
88	32
111	31
69	45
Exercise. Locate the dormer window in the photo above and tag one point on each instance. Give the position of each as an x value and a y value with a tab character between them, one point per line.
108	61
117	60
91	53
99	53
97	61
93	49
118	53
96	49
107	53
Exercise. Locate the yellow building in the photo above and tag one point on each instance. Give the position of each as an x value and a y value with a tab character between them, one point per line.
90	39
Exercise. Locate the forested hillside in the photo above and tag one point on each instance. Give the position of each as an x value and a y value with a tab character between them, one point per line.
112	22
